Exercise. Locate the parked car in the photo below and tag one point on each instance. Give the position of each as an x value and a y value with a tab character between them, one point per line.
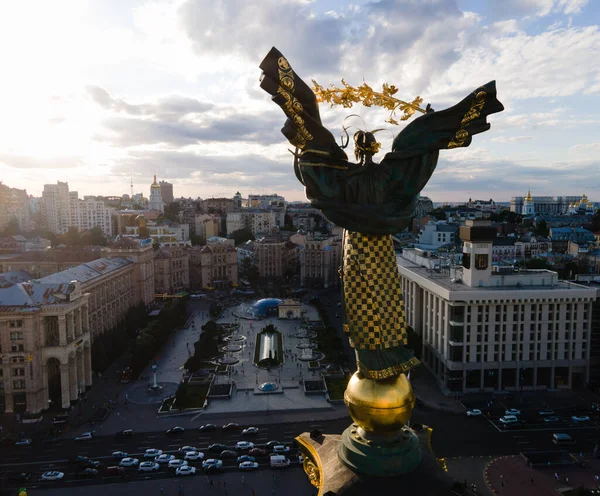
281	449
228	454
175	430
119	454
164	458
512	411
193	456
246	458
185	449
270	444
207	428
217	448
152	453
231	426
114	470
148	467
185	470
125	433
175	464
474	412
541	413
87	472
241	445
509	419
23	442
129	462
248	466
52	475
551	419
580	418
86	461
86	436
212	461
258	452
250	431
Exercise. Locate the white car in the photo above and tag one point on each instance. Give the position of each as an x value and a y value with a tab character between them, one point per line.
509	419
248	466
53	475
211	462
244	445
119	454
281	449
185	470
152	453
23	442
164	458
474	412
148	467
194	456
250	431
129	462
86	436
512	411
581	418
185	449
175	464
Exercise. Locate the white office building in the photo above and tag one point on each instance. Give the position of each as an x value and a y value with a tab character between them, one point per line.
495	330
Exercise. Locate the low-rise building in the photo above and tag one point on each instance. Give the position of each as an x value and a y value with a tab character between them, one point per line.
214	265
171	270
561	236
436	234
497	330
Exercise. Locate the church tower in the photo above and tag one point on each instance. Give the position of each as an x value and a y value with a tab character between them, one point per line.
528	206
156	200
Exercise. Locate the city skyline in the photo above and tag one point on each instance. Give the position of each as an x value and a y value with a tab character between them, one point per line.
99	92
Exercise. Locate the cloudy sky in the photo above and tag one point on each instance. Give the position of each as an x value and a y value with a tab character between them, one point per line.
97	91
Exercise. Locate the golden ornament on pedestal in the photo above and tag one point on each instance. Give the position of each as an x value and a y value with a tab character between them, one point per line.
380	406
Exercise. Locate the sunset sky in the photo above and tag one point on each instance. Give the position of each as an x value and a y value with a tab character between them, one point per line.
96	91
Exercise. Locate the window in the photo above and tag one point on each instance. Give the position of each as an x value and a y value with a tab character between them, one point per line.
17	359
481	261
18	384
18	372
17	348
16	335
15	323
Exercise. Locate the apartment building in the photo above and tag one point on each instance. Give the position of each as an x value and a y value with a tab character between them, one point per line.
171	270
275	257
214	265
14	204
320	258
496	330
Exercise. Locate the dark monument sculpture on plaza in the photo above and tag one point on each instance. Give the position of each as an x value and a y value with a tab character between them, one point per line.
371	201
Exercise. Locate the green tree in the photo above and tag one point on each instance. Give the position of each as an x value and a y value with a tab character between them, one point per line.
242	235
438	214
197	240
536	263
12	228
172	211
542	229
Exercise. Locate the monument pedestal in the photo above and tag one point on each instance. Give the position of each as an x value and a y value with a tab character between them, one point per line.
333	477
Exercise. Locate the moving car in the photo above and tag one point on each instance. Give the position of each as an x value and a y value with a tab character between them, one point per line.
281	449
164	458
258	452
152	453
148	467
512	411
474	412
551	420
244	445
175	464
129	462
217	448
250	431
126	433
87	472
193	456
245	458
53	475
231	426
212	462
23	442
185	470
119	454
175	430
86	436
228	454
580	418
248	466
207	428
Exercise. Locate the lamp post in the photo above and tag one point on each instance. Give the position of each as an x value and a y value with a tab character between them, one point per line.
154	385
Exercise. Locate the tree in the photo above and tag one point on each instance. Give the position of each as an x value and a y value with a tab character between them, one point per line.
438	214
288	223
542	229
196	240
595	227
536	263
12	228
172	211
242	235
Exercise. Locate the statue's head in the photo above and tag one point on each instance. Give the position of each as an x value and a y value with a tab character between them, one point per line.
365	146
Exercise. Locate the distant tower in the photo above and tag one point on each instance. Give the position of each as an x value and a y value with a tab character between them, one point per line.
156	202
528	206
237	201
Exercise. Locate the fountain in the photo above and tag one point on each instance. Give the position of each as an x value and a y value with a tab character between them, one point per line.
155	386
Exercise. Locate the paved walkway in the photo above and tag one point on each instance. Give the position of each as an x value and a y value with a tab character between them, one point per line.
427	390
470	469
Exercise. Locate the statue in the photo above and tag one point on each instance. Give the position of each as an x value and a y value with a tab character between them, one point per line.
371	201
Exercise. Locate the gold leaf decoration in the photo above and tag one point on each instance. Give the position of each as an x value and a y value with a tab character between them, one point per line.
348	95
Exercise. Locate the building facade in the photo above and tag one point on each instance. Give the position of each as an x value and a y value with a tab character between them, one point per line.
14	204
213	266
171	270
43	263
487	330
274	257
45	345
166	192
207	225
320	258
544	204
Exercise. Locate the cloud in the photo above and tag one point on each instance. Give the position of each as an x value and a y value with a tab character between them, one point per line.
537	8
32	162
586	146
509	139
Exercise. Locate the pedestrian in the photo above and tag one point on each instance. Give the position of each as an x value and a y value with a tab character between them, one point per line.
566	480
556	476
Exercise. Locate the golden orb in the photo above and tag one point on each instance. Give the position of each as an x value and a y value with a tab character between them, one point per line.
380	406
